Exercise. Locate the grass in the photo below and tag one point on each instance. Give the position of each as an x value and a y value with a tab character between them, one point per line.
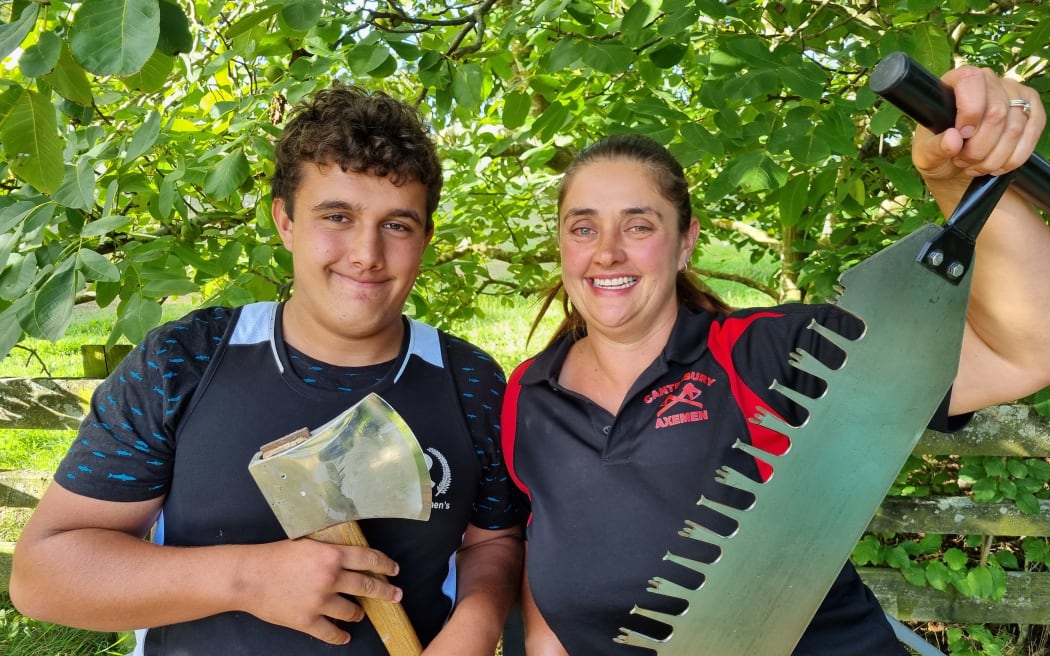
501	329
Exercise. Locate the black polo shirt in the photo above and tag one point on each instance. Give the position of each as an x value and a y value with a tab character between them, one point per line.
183	415
610	492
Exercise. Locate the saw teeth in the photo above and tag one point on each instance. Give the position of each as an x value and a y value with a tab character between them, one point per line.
688	563
702	533
662	586
835	338
726	475
792	394
766	419
663	618
635	639
755	452
729	511
804	361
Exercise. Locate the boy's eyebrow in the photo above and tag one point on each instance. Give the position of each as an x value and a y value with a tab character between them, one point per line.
401	213
336	205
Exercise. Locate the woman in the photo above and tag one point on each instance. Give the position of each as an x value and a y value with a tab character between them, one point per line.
620	422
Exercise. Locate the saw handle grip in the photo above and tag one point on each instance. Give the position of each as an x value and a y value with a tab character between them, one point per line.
388	617
921	95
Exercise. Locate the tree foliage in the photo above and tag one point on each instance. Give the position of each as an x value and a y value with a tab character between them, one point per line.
137	134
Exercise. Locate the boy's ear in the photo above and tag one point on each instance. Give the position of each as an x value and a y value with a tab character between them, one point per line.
282	221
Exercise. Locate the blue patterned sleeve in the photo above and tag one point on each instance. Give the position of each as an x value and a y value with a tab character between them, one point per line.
124	449
498	503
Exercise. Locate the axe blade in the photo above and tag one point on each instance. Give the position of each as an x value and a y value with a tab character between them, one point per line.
364	463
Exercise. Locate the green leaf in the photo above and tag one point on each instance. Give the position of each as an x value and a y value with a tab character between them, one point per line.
955	559
231	252
115	37
994	466
809	149
227	176
52	307
29	135
669	55
885	119
301	15
937	575
175	37
980	581
168	191
807	80
12	34
41	57
69	80
608	57
144	137
566	53
1036	550
1027	503
637	17
10	326
153	74
897	558
1016	468
516	106
78	185
8	241
1007	559
96	266
466	85
986	490
868	551
18	276
104	226
169	287
914	575
932	47
793	199
135	317
366	57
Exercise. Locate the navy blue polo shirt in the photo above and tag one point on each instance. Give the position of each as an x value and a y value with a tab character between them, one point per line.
610	492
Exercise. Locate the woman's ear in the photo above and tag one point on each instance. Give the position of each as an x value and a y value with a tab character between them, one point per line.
688	243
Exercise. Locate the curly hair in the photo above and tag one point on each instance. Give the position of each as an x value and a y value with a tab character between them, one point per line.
362	132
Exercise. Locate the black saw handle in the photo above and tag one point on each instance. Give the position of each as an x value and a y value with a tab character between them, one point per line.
921	95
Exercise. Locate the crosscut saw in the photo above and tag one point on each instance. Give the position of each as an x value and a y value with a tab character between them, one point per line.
790	544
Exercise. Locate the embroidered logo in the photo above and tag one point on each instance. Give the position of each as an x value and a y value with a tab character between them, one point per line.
683	397
445	481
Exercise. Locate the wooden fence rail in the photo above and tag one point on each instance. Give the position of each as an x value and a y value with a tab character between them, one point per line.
1015	430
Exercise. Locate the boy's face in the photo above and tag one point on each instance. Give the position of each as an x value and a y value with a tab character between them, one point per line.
357	241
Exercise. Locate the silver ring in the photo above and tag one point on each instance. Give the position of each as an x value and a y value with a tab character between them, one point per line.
1025	106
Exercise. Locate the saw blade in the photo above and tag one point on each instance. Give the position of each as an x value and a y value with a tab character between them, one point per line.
790	544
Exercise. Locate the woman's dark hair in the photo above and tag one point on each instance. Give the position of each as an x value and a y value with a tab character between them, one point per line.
670	180
360	132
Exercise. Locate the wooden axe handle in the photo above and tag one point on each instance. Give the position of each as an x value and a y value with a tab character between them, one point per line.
388	617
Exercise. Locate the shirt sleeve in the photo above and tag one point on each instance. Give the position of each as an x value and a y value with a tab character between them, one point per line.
124	449
498	504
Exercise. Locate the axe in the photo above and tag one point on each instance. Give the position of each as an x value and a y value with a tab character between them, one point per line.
364	463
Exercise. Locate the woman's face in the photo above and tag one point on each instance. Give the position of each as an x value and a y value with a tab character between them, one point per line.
621	249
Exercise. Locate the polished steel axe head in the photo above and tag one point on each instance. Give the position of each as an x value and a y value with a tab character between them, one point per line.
364	463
